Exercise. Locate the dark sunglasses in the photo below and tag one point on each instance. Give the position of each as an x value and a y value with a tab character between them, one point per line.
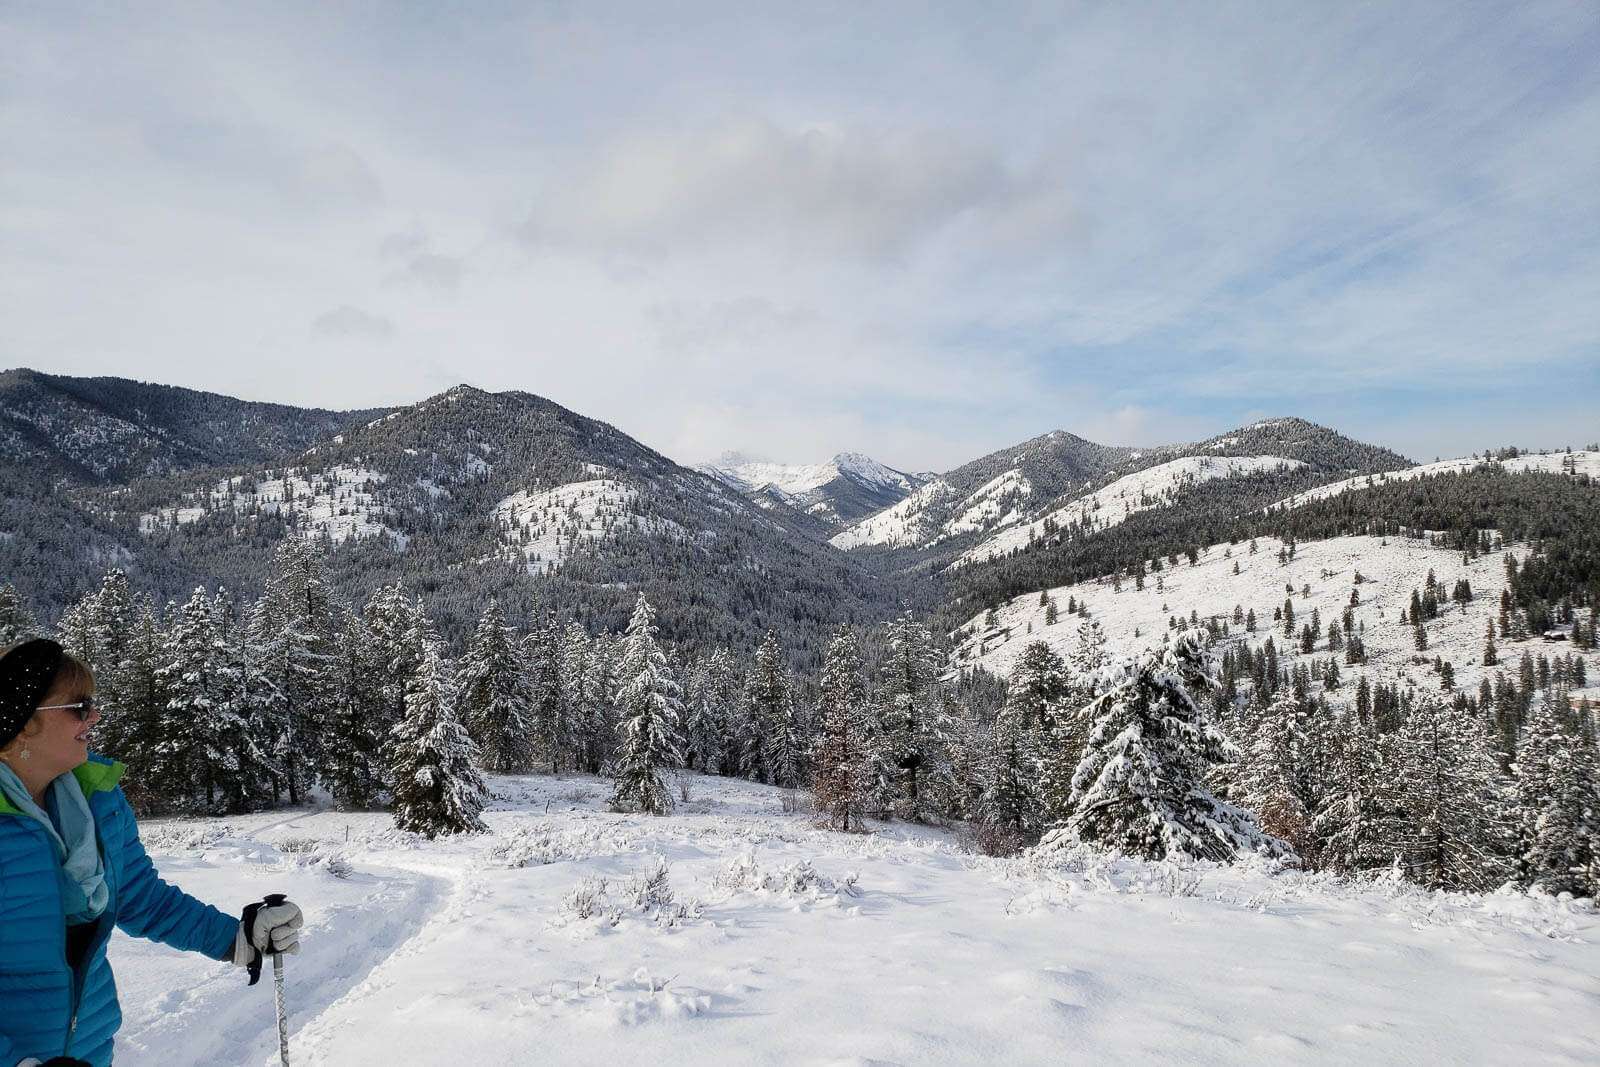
82	709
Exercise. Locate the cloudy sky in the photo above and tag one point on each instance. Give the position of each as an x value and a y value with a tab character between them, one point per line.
917	231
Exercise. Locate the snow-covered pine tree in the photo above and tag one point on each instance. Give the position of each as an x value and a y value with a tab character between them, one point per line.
392	622
293	628
203	733
1347	825
1139	788
649	705
1450	813
1087	661
1273	784
770	699
1011	810
1035	727
16	621
142	716
842	778
550	706
581	701
601	689
437	789
354	766
1555	793
251	701
912	707
705	728
495	699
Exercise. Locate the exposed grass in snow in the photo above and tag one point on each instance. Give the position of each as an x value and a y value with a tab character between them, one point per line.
744	934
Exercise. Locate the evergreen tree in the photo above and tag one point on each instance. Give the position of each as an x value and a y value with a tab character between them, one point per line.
911	708
770	700
711	695
16	621
842	779
551	705
1139	788
293	628
1555	794
496	697
649	705
437	789
354	769
1348	823
1279	782
1448	820
142	716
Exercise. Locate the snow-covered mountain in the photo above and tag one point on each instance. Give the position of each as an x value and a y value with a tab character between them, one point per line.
472	495
840	491
1059	487
105	430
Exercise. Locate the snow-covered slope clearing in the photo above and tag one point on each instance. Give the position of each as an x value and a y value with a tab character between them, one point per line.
340	502
1113	504
1583	462
782	944
544	529
1390	569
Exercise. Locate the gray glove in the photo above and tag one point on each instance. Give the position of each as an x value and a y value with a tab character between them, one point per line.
267	927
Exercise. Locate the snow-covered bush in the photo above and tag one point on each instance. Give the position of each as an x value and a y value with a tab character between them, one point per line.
586	899
651	890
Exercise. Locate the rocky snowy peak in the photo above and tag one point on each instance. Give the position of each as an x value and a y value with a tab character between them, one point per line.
839	491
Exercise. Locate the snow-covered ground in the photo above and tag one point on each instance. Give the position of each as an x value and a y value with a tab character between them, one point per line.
1581	462
340	502
786	944
1113	504
546	528
1390	569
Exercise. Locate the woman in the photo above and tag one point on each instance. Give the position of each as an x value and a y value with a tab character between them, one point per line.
71	868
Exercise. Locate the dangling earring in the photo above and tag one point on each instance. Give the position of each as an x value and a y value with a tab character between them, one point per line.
25	754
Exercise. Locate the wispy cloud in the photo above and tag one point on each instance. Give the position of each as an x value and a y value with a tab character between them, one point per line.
919	232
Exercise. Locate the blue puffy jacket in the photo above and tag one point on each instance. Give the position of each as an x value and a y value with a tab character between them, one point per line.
46	1008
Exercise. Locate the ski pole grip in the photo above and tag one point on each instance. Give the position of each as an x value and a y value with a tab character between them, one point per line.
272	900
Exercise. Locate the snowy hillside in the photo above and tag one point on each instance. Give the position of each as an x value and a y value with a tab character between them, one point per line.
1112	504
545	529
772	942
339	503
841	490
1003	502
1390	569
1580	462
902	526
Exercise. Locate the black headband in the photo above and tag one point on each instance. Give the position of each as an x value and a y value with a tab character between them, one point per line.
26	674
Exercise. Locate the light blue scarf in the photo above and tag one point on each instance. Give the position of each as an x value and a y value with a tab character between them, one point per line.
83	880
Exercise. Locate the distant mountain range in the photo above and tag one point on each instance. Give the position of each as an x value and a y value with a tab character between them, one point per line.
841	491
469	494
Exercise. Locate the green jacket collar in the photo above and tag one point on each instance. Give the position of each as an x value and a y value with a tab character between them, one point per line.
96	775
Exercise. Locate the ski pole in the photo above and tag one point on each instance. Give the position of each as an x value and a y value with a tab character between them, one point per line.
273	900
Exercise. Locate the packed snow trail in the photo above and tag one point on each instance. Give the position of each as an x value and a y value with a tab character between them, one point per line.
180	1009
786	944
